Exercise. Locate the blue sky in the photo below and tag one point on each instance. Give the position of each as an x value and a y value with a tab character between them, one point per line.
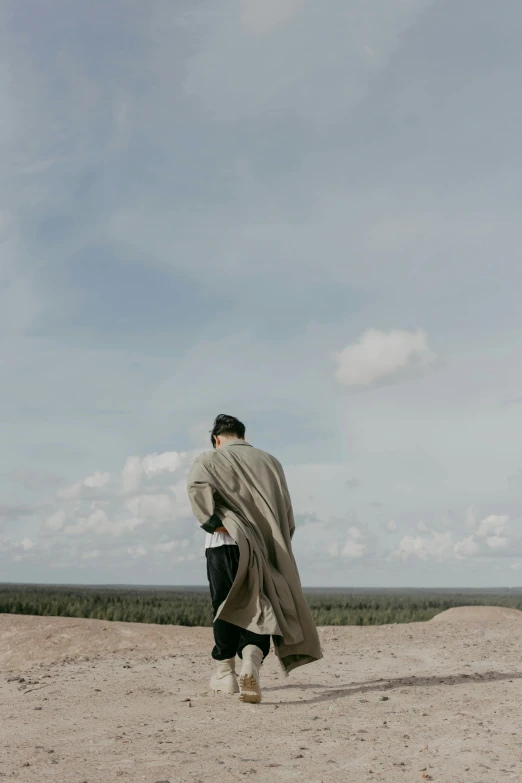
306	216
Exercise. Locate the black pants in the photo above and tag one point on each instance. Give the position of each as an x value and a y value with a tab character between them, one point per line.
222	565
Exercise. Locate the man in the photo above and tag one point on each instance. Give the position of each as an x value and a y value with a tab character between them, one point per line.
240	497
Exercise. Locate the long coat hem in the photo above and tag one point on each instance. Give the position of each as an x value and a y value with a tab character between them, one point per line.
246	489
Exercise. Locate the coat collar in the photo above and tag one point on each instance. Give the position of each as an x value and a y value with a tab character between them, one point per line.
235	442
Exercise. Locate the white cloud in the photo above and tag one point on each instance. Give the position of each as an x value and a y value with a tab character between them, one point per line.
153	466
496	524
260	16
157	507
101	523
94	554
496	542
353	549
97	480
132	475
168	462
439	546
137	551
88	488
142	514
181	503
170	546
97	522
331	539
22	547
282	104
357	543
157	468
56	521
71	492
379	357
492	538
468	547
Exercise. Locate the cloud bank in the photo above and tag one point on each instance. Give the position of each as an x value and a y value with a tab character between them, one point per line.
381	357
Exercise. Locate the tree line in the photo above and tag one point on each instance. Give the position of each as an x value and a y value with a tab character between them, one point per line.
191	606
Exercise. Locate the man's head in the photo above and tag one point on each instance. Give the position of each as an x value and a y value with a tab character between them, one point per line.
226	428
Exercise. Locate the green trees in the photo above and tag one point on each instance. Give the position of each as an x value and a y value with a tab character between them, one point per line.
191	607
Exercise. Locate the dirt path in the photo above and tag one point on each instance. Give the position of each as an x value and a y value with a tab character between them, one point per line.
102	702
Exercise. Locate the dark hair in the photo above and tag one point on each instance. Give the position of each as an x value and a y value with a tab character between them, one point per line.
226	425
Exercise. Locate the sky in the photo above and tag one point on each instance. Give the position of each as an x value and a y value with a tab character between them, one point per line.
306	215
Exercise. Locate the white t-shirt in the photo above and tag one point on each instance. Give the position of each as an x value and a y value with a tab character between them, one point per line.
218	539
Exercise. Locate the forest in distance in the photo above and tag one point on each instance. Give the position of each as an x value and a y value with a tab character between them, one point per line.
190	606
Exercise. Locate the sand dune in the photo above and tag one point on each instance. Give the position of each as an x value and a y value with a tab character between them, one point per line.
34	640
478	615
85	700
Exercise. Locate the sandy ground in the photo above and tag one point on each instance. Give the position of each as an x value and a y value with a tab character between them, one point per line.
102	702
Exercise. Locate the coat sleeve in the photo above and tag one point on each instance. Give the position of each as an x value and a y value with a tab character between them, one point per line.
288	500
201	496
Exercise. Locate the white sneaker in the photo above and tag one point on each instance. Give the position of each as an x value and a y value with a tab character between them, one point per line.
249	677
225	678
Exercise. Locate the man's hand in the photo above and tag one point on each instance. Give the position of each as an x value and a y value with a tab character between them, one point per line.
221	530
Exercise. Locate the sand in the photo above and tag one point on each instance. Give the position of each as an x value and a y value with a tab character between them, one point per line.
101	702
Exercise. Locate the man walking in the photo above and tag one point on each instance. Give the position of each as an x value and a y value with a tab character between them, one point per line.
240	497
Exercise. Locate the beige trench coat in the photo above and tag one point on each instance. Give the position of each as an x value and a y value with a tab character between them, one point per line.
244	489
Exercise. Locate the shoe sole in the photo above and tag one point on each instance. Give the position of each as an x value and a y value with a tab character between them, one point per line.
250	692
230	690
227	693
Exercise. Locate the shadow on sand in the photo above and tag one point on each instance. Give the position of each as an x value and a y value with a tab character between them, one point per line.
383	685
